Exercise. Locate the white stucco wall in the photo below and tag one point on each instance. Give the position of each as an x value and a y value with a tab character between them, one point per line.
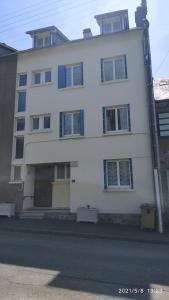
91	150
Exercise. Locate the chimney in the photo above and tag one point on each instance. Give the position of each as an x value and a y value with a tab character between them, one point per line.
87	34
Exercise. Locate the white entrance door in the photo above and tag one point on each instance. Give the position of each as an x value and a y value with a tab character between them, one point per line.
61	186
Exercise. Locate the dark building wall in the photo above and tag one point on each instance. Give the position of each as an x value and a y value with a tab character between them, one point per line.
5	51
8	192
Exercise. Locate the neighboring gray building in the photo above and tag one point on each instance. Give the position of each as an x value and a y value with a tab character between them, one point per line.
8	62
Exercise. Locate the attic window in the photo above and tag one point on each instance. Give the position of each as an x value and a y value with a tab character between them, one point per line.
113	25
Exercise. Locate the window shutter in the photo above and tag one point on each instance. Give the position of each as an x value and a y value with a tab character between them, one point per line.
131	172
82	122
61	77
104	119
129	118
81	73
102	79
125	63
105	173
61	124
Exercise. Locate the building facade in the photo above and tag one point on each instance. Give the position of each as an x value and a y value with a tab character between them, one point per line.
81	124
8	64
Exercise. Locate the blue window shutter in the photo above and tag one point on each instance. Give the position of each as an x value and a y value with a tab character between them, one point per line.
131	172
104	119
105	173
102	79
82	80
61	124
129	117
82	122
125	61
61	77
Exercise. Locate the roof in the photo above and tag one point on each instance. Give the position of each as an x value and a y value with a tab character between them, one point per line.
161	89
111	14
7	47
49	28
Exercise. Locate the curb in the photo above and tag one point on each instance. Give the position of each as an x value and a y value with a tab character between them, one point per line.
86	235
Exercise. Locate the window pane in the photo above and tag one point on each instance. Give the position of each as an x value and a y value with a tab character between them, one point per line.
68	77
60	171
163	115
123	118
120	68
68	171
47	41
37	78
164	133
48	76
164	127
107	28
117	24
39	43
163	121
17	173
35	123
112	173
124	170
21	101
76	123
67	124
20	124
19	147
46	122
23	80
77	75
110	119
108	70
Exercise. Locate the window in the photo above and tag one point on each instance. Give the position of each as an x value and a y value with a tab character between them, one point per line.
40	123
113	25
17	173
48	76
62	171
39	42
70	76
118	174
47	41
20	124
21	101
42	77
22	79
72	123
116	119
19	147
163	120
114	68
37	78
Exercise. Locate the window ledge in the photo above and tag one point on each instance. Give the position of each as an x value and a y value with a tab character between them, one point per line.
71	88
41	84
20	88
111	190
40	131
114	81
117	133
16	182
71	137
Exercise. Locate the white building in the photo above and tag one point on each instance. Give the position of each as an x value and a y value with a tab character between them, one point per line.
81	132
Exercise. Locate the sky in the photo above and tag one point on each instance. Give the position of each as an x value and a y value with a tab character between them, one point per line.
72	16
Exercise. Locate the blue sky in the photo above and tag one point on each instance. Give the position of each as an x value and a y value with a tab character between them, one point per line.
72	16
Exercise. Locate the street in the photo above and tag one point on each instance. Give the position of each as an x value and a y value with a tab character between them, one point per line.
37	267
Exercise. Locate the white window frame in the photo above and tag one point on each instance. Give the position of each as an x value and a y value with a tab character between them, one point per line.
42	77
66	166
71	67
118	186
116	119
18	131
72	123
13	174
111	22
163	121
112	60
41	123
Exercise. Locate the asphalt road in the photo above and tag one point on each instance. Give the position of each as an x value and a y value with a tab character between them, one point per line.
41	267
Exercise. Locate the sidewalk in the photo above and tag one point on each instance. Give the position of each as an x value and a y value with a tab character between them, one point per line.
84	230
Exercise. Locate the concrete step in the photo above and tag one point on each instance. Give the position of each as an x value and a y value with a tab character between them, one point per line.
41	213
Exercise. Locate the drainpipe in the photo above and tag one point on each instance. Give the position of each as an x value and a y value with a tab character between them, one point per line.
142	21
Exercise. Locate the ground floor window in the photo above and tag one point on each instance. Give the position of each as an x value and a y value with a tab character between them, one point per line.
62	171
118	173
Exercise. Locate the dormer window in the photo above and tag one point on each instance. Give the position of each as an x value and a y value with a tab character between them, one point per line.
41	42
113	22
113	25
